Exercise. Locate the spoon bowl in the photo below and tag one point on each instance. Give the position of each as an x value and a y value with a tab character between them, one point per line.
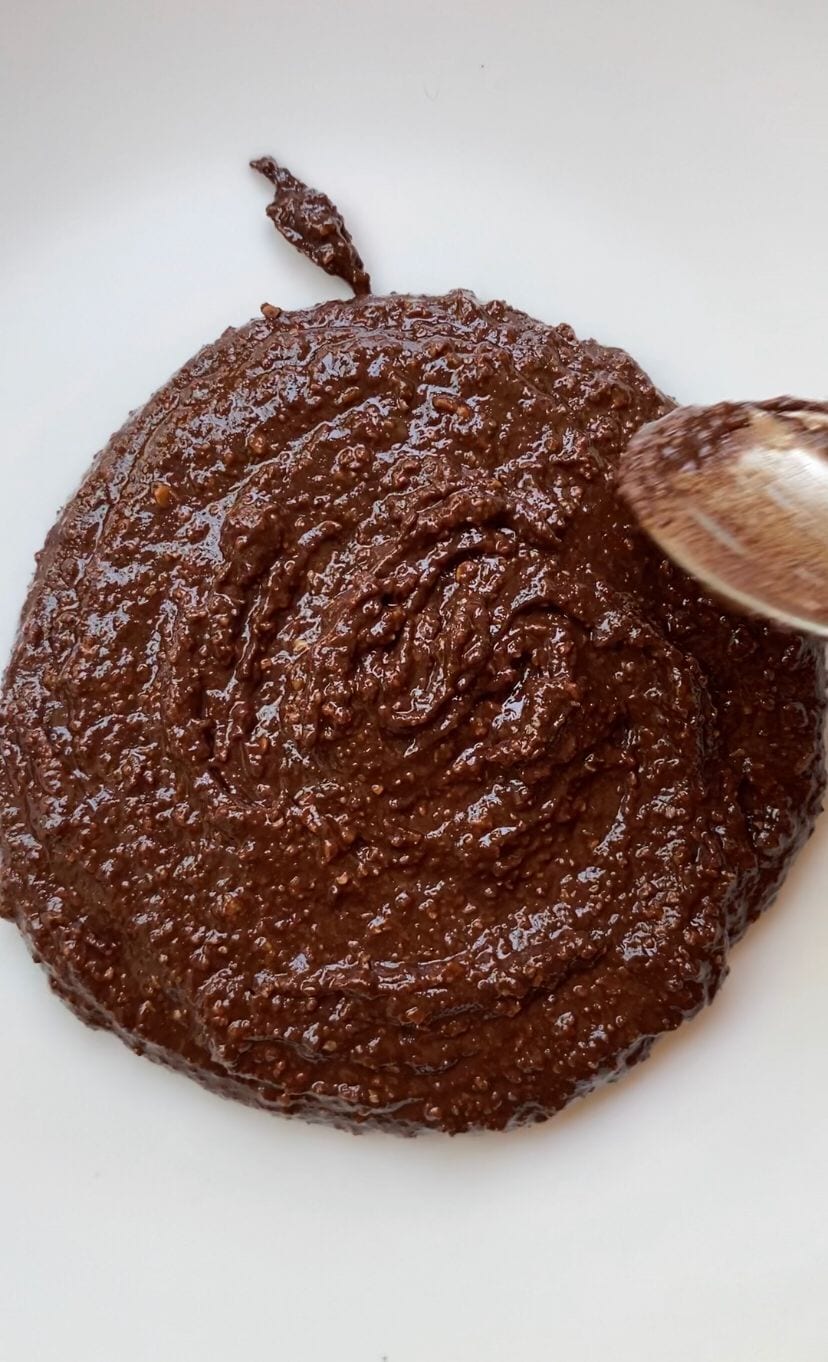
737	495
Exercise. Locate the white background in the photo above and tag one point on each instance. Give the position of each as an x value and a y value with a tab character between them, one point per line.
653	172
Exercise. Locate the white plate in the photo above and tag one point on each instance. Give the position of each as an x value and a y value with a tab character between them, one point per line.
655	174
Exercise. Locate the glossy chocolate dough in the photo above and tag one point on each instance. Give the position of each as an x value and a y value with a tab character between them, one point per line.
359	756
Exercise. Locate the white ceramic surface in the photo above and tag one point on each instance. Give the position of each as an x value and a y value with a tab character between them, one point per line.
653	172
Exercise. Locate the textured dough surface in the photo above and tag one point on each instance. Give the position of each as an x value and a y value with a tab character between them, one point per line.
361	758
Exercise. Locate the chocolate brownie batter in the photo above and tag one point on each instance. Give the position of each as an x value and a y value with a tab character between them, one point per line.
359	755
308	220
